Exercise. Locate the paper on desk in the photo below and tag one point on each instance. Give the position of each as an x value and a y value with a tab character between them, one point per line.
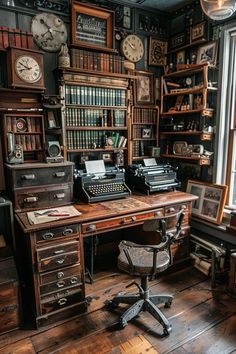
41	216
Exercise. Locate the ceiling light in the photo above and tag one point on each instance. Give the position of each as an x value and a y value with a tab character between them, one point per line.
218	9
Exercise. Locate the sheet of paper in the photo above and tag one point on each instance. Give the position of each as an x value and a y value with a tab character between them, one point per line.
52	214
150	162
95	167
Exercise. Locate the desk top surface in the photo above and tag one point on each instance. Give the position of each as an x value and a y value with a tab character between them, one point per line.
111	209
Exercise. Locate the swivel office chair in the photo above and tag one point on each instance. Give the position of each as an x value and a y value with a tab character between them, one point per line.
146	261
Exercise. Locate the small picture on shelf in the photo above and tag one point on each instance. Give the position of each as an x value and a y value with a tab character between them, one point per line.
178	103
207	54
21	125
52	123
177	40
180	57
146	133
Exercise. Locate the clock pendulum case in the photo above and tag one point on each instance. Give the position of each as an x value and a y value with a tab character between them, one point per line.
25	68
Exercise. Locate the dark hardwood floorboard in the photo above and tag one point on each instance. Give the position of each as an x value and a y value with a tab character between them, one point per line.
203	321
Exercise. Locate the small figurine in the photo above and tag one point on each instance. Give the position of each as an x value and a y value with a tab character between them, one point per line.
64	57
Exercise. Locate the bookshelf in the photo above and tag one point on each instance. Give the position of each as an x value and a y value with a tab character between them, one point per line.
188	98
28	132
144	132
95	115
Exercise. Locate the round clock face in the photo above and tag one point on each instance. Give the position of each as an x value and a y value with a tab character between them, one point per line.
49	31
132	48
28	69
188	81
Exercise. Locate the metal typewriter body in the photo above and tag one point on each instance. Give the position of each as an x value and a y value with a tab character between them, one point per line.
160	177
95	188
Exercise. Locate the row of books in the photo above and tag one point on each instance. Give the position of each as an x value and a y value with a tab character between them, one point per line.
93	139
95	117
29	142
94	61
138	148
144	115
94	96
23	124
14	37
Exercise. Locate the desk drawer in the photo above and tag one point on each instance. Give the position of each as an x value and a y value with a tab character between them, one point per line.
60	274
123	221
43	197
177	207
55	233
49	258
180	249
65	283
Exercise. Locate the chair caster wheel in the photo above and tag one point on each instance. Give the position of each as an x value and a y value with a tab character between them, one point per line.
122	324
111	305
166	331
168	304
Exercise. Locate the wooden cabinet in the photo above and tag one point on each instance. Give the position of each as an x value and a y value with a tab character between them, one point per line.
144	132
188	99
95	115
53	273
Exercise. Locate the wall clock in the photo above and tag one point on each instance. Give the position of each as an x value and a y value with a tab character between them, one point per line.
132	48
25	68
49	31
157	52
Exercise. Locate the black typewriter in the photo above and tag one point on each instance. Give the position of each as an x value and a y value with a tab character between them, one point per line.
100	186
153	178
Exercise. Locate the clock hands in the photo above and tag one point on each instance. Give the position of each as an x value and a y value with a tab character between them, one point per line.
131	45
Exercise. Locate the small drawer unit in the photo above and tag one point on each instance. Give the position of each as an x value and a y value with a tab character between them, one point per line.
43	186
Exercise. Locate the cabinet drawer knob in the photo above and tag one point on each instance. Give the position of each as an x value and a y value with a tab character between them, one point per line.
28	177
133	218
91	227
48	236
59	196
61	261
170	210
59	174
158	213
74	280
61	283
31	199
183	207
67	232
60	275
59	251
62	301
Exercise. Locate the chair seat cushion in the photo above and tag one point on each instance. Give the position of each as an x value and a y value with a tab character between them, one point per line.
142	260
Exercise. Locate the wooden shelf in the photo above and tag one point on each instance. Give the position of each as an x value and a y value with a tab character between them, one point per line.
147	123
143	139
203	135
189	45
171	113
200	160
97	149
99	73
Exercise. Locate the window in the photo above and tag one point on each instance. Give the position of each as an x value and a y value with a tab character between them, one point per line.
225	171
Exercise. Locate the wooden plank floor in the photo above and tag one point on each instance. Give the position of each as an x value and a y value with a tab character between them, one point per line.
203	321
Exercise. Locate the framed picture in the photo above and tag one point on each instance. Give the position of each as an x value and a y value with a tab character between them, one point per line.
146	133
180	57
92	27
144	87
157	52
211	200
199	31
178	103
207	53
51	119
177	40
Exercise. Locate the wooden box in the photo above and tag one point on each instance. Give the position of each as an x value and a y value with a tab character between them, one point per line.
9	296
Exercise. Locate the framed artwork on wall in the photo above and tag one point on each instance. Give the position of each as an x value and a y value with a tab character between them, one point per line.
207	53
211	200
177	41
92	27
157	52
144	88
199	32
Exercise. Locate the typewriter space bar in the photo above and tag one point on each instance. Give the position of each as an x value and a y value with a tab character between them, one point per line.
166	185
108	193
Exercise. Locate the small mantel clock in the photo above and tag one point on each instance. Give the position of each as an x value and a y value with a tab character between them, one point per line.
25	68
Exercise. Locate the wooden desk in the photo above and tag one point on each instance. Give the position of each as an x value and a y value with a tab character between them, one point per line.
50	256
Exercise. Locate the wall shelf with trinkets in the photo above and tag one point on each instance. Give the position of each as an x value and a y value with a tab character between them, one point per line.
95	116
188	99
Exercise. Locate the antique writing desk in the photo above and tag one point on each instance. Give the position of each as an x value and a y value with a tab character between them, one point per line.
50	255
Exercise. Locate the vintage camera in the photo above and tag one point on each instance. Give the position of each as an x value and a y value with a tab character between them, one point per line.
14	151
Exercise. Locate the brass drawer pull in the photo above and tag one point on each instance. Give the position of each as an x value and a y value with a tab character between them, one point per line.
31	199
74	280
59	196
133	218
48	236
28	177
61	283
59	251
91	227
60	275
59	174
62	301
61	261
67	232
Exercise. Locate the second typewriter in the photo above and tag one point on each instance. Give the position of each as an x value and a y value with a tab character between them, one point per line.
100	184
152	178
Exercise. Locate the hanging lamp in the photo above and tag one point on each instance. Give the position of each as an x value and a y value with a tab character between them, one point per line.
218	9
